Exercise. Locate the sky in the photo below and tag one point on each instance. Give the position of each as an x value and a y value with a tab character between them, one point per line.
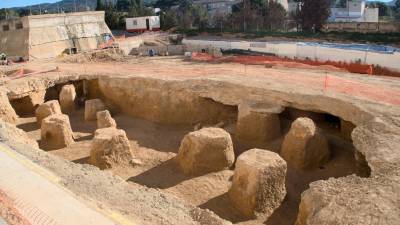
16	3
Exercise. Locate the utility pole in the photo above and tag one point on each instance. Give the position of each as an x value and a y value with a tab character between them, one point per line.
75	5
244	15
40	9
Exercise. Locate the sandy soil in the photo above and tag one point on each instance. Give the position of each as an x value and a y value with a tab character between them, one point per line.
157	168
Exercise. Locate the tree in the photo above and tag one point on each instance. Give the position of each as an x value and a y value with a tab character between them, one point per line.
7	14
384	10
114	18
100	6
396	9
123	5
313	14
168	20
200	16
275	16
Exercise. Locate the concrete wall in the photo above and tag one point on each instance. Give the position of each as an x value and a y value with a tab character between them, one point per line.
50	35
306	51
363	27
14	42
371	15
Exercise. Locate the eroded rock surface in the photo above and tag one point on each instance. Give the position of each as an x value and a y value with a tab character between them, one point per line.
110	148
7	112
56	131
14	134
206	150
304	146
258	124
351	200
92	107
258	185
105	120
46	109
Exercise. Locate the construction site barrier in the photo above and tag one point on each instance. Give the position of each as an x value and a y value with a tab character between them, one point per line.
382	56
327	83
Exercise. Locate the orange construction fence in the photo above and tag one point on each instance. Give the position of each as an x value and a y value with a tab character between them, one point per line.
327	83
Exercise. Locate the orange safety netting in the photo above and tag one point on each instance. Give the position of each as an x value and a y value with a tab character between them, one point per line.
327	83
298	63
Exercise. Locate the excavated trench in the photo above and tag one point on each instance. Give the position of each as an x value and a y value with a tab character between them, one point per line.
156	115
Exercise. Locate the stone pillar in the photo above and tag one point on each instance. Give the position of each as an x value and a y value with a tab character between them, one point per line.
206	150
304	146
105	120
46	109
67	98
92	107
37	97
56	131
258	185
258	124
110	148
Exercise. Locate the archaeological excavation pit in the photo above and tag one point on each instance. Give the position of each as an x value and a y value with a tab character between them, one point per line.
243	160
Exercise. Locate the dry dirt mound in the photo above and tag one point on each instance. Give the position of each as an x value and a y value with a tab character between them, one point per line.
108	55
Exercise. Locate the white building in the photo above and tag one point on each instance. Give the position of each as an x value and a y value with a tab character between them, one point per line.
143	24
355	11
222	7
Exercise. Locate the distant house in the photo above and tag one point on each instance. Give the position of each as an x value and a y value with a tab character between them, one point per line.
217	7
355	11
143	24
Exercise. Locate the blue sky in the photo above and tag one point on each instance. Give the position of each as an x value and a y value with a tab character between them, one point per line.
14	3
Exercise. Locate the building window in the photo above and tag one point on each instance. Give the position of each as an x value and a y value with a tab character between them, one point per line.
134	23
18	26
6	27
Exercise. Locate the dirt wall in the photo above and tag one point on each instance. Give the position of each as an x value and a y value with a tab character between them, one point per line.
163	101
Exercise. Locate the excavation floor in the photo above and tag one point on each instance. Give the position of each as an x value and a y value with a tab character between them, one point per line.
156	166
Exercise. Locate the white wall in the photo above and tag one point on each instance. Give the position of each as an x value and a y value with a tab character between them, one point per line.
371	15
310	51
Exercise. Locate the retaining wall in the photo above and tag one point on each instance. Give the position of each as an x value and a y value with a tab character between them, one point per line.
386	27
48	36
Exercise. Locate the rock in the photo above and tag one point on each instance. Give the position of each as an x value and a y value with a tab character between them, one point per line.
258	185
67	98
206	150
92	107
56	131
110	148
105	120
258	124
7	112
15	135
46	109
304	146
350	200
37	97
346	128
